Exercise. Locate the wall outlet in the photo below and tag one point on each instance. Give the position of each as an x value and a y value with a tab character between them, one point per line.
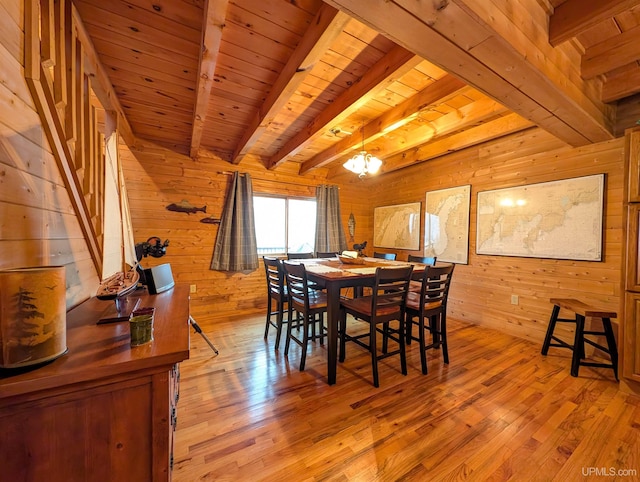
515	299
192	289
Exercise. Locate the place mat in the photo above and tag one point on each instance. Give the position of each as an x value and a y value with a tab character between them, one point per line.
367	270
320	268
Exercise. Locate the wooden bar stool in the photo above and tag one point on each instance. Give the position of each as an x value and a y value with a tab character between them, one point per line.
582	311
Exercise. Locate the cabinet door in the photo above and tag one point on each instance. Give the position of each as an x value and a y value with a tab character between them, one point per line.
632	153
632	281
631	359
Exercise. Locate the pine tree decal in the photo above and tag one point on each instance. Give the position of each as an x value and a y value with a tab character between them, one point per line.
25	311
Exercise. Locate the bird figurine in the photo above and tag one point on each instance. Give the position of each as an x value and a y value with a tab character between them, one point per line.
359	248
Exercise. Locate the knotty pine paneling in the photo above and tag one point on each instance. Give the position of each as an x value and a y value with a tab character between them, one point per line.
156	177
481	291
37	224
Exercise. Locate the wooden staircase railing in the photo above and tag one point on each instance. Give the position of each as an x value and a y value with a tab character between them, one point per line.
69	88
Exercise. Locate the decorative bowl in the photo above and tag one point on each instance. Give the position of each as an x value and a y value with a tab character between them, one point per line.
348	260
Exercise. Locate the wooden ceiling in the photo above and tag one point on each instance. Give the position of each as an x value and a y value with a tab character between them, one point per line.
307	81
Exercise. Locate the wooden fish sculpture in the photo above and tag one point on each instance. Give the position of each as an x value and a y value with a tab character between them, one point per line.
185	206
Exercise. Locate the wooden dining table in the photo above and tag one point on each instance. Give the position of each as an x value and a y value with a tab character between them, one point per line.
333	275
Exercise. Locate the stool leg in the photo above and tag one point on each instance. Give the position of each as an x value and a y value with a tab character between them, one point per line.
611	341
550	328
578	346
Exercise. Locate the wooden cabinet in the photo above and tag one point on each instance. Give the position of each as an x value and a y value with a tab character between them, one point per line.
630	359
632	154
104	411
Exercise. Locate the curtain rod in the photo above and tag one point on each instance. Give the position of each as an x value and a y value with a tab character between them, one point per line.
230	173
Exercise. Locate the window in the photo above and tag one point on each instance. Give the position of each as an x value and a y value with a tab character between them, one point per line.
284	225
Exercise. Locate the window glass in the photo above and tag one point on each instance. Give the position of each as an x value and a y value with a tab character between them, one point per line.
284	225
302	226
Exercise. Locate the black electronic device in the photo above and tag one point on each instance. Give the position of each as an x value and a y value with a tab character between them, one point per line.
159	278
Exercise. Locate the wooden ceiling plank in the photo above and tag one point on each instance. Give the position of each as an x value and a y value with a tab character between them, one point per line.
133	68
573	17
397	62
611	54
399	115
446	33
102	84
327	25
106	20
149	52
147	16
214	16
620	86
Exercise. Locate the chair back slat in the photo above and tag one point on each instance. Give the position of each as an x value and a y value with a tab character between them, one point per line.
428	260
328	254
300	255
390	291
436	281
296	276
275	276
388	256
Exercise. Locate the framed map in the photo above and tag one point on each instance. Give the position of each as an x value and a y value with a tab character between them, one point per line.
446	224
557	219
397	226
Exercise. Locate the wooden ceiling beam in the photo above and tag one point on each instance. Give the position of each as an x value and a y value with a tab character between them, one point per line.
403	113
474	114
393	65
620	86
325	28
611	54
480	44
215	12
573	17
499	127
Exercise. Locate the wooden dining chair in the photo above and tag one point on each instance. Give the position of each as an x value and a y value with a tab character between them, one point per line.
428	260
359	291
300	256
311	306
416	282
385	305
429	306
389	256
276	293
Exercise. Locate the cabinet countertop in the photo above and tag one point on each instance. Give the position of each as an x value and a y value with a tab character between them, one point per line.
99	351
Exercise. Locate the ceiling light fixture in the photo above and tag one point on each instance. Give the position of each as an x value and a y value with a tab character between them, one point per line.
363	163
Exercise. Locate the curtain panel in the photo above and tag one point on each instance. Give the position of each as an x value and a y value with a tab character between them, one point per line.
330	234
236	248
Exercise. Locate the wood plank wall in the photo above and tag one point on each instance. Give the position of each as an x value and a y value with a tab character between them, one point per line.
37	222
481	290
157	177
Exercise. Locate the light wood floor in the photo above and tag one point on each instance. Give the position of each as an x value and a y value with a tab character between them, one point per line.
498	411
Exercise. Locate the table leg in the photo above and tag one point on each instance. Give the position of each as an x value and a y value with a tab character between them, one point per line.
333	315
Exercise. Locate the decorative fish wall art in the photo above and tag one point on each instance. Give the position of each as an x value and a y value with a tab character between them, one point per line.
185	206
352	225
